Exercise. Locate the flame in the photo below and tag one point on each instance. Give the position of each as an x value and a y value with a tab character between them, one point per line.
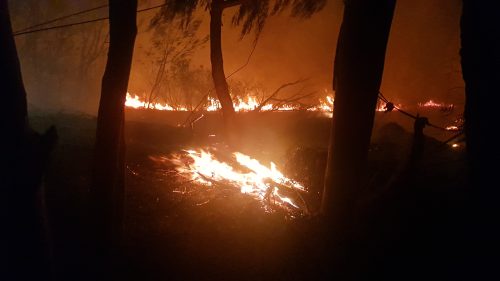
433	104
246	104
213	104
252	178
324	106
135	102
251	103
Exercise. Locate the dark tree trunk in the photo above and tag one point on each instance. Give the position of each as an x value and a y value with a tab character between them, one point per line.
480	52
359	65
216	59
24	159
107	190
13	92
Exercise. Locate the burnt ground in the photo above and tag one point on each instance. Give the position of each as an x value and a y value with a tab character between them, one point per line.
409	229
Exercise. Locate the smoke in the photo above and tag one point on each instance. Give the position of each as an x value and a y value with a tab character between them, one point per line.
422	60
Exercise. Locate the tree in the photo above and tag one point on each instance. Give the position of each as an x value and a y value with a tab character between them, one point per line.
107	190
171	62
90	53
358	68
480	59
480	42
251	15
24	162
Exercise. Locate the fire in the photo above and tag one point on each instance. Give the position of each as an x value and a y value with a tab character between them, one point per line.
136	102
249	175
213	104
452	128
246	104
251	103
433	104
324	106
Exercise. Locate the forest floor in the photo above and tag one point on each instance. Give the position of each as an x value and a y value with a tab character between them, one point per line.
407	233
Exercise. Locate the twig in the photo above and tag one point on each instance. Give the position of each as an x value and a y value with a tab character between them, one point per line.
294	99
258	108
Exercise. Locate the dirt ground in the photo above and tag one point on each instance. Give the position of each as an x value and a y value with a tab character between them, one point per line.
220	234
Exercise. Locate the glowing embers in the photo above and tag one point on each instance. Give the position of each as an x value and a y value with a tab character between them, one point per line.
214	169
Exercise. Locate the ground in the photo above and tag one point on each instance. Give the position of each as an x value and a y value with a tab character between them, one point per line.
219	234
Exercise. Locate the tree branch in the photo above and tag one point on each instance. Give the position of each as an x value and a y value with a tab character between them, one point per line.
230	3
295	98
273	95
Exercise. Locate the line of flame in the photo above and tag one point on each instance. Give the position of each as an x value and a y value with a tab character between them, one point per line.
240	105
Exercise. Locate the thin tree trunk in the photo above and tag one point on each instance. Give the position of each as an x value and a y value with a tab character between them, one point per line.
219	78
107	190
24	160
359	65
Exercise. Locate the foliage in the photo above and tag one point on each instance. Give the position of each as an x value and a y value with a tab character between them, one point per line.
251	15
170	54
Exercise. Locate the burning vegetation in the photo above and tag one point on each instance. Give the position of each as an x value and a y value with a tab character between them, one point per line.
318	188
251	103
215	167
246	104
212	167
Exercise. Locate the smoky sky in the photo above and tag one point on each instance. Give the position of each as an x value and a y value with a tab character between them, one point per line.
422	59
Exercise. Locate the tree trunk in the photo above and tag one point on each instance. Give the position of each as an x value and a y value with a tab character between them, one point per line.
480	53
24	160
480	45
13	92
359	65
217	62
107	190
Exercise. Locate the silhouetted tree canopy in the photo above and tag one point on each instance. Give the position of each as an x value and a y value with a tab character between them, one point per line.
251	15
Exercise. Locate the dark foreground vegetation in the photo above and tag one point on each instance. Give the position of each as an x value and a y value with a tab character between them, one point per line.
411	230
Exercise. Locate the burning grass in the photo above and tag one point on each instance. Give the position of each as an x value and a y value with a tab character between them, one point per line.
181	229
214	168
246	104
